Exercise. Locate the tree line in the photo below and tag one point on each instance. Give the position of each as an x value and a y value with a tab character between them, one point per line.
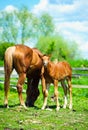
20	26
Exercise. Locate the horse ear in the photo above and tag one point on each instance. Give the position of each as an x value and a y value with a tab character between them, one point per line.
49	55
44	55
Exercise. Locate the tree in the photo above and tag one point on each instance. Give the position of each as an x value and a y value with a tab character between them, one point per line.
57	47
18	26
3	47
7	22
46	25
21	25
24	19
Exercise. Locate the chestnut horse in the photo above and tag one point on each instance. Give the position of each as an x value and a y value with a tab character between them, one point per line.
27	63
52	73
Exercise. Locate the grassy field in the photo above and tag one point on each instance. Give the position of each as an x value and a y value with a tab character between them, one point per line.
18	118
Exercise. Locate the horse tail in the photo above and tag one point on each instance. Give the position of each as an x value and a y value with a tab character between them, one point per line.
8	67
8	59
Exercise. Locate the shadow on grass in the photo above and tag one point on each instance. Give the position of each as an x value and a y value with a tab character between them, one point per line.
18	105
61	107
11	106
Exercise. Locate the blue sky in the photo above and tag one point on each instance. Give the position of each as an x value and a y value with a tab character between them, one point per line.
18	3
70	17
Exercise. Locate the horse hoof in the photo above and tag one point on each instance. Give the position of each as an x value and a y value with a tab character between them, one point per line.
6	106
64	106
58	108
24	106
70	106
42	108
49	109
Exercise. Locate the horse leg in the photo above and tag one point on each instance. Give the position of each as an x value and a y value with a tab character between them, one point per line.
20	83
45	93
56	94
65	93
6	85
70	92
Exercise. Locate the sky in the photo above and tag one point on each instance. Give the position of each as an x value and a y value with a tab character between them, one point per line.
70	17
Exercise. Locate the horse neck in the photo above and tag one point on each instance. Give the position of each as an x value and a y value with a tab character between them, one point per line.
36	60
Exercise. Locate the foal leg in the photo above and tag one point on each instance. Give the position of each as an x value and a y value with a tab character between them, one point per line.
65	93
70	92
56	94
20	83
45	93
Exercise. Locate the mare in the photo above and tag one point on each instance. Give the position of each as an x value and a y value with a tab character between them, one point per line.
27	63
52	73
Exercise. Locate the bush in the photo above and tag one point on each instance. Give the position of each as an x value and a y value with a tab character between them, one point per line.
59	48
3	47
79	63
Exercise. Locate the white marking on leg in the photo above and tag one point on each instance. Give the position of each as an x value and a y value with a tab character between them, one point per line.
70	106
45	101
44	104
65	102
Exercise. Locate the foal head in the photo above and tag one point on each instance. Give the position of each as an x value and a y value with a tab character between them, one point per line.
45	60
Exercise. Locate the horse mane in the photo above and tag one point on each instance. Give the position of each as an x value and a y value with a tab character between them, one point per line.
38	52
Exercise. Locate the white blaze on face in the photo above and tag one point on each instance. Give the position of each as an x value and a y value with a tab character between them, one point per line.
45	60
45	63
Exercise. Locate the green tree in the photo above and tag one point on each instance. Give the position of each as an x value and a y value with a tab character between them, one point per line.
46	25
24	19
3	47
57	47
7	22
18	26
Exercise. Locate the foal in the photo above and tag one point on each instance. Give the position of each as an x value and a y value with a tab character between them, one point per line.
52	73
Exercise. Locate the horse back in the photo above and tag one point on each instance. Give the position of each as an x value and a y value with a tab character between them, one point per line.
57	71
64	69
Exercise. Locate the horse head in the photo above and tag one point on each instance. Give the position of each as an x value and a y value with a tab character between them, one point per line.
45	59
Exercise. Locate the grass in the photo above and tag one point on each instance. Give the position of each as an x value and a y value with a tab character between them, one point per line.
1	63
81	80
18	118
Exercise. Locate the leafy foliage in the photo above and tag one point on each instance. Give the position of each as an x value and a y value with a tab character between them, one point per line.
3	47
79	63
9	32
27	25
46	25
57	47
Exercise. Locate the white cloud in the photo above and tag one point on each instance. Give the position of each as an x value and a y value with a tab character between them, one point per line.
42	6
84	47
10	9
76	26
78	9
70	19
63	8
76	31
